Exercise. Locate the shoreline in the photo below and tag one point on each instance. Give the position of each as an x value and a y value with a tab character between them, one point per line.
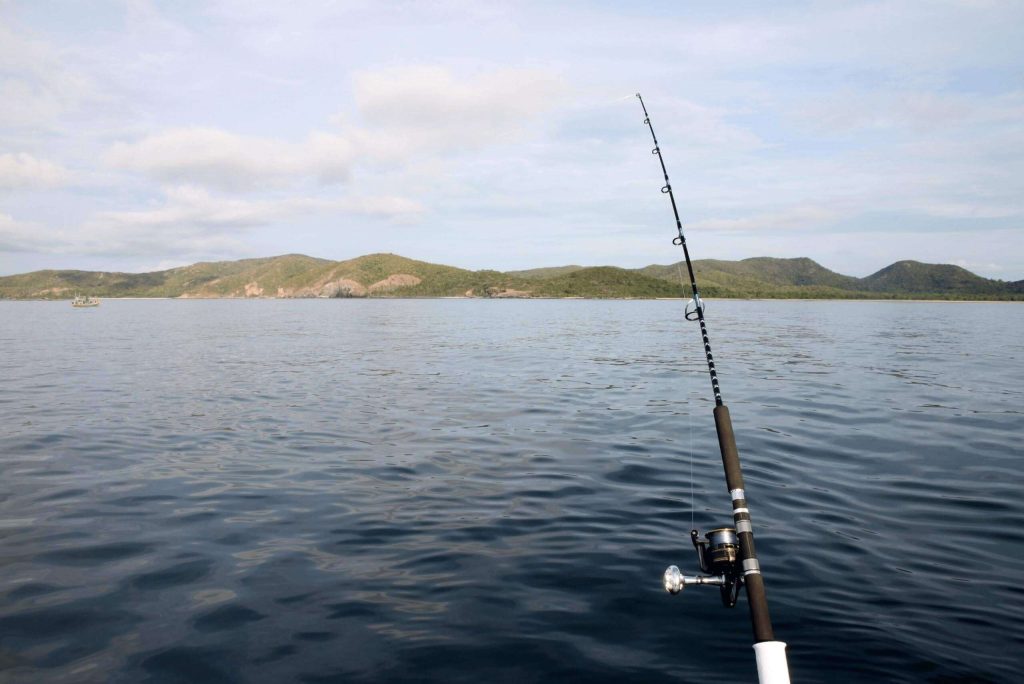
574	298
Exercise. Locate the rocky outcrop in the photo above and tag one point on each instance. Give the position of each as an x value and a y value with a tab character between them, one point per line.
343	288
253	289
331	289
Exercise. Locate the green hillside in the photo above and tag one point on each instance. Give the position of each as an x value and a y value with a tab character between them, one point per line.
804	278
219	278
390	275
606	282
915	277
759	276
230	278
548	272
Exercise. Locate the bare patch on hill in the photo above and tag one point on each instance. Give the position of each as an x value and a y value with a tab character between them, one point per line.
395	281
507	293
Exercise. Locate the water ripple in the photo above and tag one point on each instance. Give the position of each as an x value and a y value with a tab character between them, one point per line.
462	490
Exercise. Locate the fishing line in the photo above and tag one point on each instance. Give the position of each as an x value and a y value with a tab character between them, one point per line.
693	502
689	416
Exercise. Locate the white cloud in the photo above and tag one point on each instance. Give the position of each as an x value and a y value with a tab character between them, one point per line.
978	208
412	109
192	206
735	42
792	218
409	112
705	129
17	236
916	112
191	221
219	159
25	171
988	267
36	86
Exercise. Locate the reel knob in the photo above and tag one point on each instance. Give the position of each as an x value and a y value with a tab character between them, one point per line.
673	580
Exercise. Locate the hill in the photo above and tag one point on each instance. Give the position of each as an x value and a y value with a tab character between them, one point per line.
915	277
804	278
390	275
759	277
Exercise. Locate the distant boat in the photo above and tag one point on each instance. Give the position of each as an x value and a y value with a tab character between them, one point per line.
80	301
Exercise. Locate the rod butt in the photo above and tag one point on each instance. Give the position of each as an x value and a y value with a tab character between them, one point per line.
772	667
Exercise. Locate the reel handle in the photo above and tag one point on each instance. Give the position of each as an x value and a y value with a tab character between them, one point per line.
675	581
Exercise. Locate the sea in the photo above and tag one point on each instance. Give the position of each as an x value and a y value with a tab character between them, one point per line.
475	491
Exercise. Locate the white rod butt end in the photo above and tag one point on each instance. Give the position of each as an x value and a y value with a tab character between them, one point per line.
772	667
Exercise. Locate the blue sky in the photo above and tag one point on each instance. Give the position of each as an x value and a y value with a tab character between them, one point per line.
144	135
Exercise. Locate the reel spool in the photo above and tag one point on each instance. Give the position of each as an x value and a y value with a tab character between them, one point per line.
718	555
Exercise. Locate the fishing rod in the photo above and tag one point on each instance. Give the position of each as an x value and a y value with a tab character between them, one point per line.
726	554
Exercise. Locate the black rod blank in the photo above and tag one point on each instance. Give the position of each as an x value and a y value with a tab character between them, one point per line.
681	241
756	598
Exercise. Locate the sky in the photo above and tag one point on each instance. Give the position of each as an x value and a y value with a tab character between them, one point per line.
142	135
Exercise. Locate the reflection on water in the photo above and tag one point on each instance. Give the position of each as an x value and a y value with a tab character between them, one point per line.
466	490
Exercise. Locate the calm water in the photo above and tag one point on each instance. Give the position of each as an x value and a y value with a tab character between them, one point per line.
465	491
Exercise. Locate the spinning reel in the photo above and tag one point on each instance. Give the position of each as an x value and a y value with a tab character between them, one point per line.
719	557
